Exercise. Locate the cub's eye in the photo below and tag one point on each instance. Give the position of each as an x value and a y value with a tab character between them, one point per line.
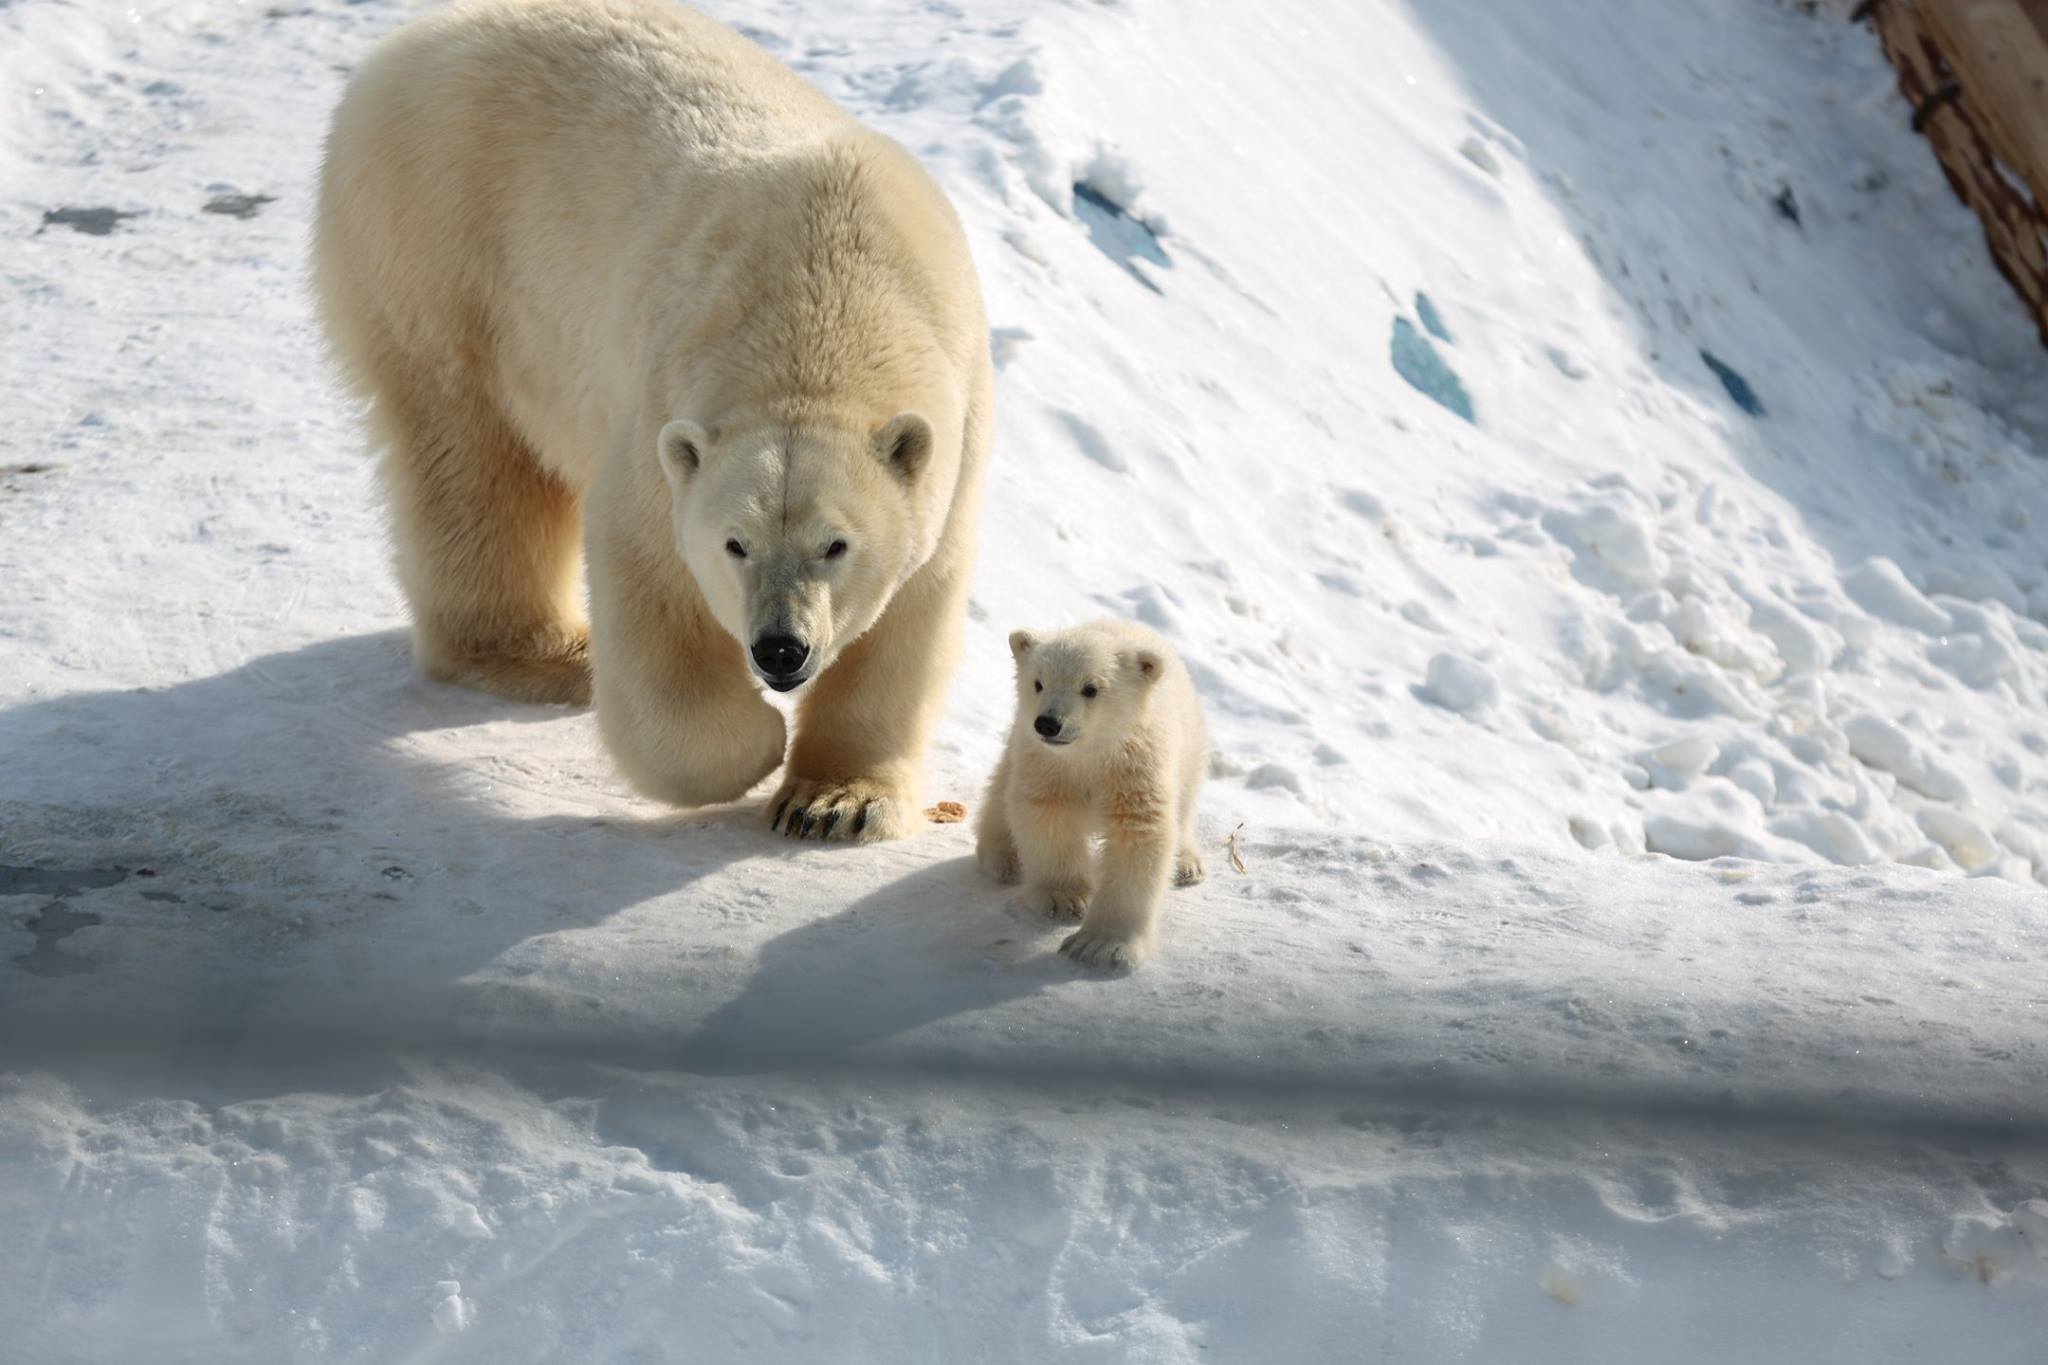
835	549
735	549
1089	691
1038	687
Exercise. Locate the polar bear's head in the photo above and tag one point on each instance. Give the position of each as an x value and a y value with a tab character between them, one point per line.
798	536
1080	691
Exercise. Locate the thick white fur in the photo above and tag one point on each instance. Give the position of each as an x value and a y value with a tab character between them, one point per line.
1130	771
620	284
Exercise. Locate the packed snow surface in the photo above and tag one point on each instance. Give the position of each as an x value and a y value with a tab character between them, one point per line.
1594	473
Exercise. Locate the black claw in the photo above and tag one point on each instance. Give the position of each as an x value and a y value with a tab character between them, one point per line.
860	820
794	827
825	825
776	821
810	823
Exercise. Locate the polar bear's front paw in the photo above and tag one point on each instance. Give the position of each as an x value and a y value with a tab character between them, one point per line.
1105	948
1067	903
857	810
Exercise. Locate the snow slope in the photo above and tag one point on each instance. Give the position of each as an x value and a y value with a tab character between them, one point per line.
349	1018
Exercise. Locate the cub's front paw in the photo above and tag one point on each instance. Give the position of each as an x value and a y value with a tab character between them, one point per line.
999	864
855	810
1067	903
1111	948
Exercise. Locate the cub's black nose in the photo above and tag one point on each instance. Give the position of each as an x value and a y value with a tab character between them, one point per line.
779	656
1047	726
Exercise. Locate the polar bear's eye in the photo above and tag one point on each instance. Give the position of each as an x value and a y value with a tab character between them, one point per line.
835	549
1089	691
1038	687
735	549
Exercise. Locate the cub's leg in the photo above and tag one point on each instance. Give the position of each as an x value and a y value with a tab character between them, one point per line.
488	545
995	845
1053	855
1187	860
1137	859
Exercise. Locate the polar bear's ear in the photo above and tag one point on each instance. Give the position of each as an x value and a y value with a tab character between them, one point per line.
906	445
681	448
1146	663
1021	642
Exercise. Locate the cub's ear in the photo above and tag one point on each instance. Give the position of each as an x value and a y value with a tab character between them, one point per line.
905	445
681	449
1146	663
1021	642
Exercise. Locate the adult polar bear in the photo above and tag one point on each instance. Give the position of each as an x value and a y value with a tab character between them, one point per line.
619	283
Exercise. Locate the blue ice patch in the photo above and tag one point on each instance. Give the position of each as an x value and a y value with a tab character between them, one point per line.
1738	387
1417	361
1432	321
1119	236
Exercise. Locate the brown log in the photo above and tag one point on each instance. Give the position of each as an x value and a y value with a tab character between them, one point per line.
1976	73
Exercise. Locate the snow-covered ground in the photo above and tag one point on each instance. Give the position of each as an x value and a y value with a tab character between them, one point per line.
1603	982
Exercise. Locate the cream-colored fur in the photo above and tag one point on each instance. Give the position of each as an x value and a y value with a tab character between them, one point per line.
621	286
1126	764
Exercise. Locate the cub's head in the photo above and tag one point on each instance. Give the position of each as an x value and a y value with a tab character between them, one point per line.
1078	692
799	536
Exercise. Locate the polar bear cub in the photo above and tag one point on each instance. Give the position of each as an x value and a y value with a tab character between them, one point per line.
1108	740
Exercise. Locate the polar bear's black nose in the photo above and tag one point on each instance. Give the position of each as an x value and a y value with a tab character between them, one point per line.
778	656
1047	726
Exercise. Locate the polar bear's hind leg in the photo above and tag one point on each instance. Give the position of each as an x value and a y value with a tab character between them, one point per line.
489	549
